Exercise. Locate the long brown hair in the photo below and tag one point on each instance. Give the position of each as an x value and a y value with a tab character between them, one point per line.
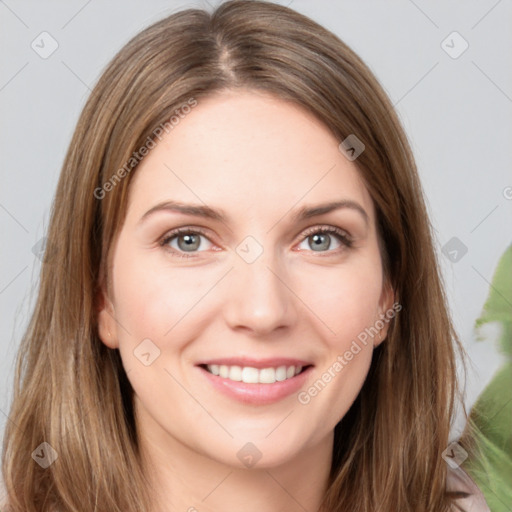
72	392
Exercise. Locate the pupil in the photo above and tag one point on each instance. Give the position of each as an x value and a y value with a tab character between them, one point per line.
189	242
323	244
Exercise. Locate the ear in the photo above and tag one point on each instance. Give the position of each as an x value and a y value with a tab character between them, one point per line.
386	311
107	325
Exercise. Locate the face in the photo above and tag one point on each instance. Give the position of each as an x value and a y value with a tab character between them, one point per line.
245	278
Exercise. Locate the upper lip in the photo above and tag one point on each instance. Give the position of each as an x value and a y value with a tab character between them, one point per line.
274	362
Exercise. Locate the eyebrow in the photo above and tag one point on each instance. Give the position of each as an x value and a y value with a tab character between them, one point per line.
306	212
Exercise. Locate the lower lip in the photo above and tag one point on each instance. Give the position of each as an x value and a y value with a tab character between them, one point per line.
258	394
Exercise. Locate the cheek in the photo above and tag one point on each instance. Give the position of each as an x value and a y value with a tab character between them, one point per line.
152	297
347	307
344	299
153	307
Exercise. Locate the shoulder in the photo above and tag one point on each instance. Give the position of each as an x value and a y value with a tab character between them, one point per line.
470	497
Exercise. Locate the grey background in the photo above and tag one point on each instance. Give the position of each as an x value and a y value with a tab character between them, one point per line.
456	111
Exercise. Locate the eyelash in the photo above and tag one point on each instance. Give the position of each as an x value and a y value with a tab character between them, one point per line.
343	237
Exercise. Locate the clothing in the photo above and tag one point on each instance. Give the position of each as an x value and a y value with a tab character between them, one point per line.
472	499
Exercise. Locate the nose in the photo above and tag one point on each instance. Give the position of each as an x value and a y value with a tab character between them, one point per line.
260	298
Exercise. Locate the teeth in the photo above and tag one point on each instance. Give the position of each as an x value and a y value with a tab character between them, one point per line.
281	373
267	376
251	375
235	373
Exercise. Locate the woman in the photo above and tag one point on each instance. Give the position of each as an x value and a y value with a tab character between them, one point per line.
241	306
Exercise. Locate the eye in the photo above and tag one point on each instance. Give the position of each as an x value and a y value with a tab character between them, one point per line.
320	239
181	241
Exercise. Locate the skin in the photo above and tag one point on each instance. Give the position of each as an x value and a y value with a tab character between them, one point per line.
259	159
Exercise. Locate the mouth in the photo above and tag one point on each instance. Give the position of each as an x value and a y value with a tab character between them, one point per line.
256	382
252	375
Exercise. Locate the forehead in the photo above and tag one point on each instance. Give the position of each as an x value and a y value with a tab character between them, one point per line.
247	151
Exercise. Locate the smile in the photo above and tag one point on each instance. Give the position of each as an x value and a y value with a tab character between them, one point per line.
253	381
251	375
